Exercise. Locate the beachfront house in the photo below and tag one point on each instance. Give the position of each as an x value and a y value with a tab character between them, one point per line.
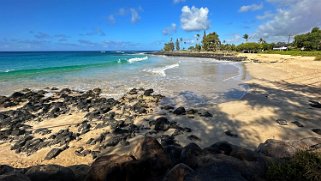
283	48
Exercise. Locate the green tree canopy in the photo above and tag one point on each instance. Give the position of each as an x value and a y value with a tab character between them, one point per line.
211	42
310	41
177	45
246	37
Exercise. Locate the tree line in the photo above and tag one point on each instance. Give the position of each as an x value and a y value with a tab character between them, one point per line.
212	42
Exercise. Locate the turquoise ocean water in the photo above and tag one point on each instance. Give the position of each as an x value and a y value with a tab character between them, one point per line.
195	80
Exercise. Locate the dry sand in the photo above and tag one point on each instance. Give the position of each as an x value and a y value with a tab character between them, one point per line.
281	87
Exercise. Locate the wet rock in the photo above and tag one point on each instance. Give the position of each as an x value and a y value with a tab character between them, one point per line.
14	177
91	141
17	95
180	130
161	124
84	127
20	143
97	91
179	111
140	108
108	168
9	104
149	150
6	169
53	153
282	122
204	113
190	154
231	133
43	131
191	111
80	171
226	148
220	172
120	131
133	91
18	132
317	131
50	172
123	142
167	107
148	92
298	124
3	99
95	154
114	141
100	138
79	150
276	149
193	138
315	104
82	152
179	172
174	152
167	140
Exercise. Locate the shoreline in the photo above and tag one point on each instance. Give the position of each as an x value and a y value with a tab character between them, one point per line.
220	56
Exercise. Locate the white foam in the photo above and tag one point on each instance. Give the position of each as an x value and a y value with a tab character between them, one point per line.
161	70
137	59
7	70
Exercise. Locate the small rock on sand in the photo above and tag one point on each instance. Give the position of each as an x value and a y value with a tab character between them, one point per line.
282	122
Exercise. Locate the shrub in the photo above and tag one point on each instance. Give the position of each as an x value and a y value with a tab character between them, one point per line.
303	166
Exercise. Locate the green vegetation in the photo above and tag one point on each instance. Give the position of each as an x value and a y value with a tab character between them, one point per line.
303	166
310	41
246	37
211	42
169	47
295	53
177	45
308	44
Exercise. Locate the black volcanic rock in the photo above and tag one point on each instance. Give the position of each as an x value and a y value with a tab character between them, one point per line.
179	111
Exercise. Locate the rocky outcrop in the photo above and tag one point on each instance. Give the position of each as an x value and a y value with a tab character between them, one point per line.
155	154
150	160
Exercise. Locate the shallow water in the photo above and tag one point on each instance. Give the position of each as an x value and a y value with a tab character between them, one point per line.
192	81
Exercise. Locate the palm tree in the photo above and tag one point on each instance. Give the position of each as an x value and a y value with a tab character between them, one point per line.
198	36
261	41
246	37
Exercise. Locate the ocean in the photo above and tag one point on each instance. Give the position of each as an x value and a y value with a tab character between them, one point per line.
194	81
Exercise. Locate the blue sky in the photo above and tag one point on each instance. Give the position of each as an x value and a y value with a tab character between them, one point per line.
31	25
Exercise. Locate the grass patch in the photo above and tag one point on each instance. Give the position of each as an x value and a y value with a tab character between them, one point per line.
303	166
296	53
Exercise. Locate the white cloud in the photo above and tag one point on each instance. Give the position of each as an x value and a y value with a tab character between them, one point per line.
170	30
235	38
178	1
134	15
292	17
111	19
252	7
194	19
122	12
266	15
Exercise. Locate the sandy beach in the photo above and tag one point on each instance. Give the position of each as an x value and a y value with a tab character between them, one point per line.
280	88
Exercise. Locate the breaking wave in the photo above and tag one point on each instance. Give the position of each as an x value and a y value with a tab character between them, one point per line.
137	59
162	70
